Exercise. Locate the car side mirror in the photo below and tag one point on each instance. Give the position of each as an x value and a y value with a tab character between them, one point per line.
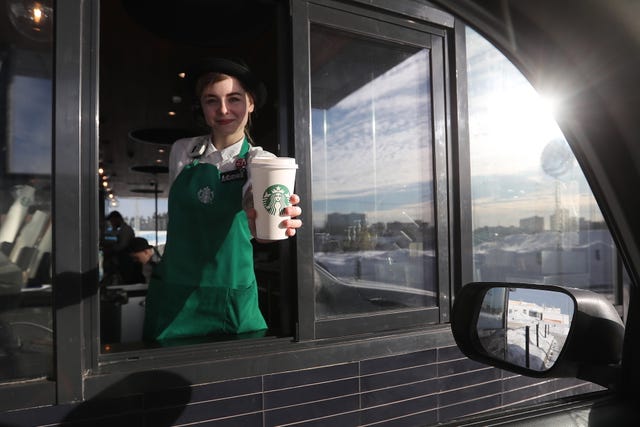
539	330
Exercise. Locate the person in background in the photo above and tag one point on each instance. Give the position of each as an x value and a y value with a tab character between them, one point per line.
144	254
118	265
205	283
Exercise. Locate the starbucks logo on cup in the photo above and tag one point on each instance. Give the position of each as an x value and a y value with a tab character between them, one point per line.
275	198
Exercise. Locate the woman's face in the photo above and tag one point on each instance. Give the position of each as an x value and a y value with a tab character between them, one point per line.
226	107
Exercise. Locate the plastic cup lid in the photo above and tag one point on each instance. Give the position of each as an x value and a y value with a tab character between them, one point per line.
276	162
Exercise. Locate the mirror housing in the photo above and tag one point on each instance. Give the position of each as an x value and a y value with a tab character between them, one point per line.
593	347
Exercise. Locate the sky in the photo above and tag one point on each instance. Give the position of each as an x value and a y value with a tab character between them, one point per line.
546	298
372	151
29	125
380	135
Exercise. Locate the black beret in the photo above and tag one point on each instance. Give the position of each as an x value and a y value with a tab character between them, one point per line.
237	69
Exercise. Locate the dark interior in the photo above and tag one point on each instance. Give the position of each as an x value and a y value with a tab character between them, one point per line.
143	48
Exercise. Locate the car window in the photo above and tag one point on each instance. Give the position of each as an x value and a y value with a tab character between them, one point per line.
534	217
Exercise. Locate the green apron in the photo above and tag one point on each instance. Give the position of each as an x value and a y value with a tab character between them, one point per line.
205	283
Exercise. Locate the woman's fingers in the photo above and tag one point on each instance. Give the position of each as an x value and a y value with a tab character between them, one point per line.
293	211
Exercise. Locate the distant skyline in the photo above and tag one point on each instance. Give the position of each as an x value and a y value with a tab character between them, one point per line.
131	207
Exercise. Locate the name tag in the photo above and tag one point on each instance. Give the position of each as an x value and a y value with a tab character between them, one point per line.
233	175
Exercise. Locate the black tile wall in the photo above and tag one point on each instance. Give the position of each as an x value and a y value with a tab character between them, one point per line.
219	408
419	419
449	353
224	389
398	409
466	379
470	392
382	364
310	376
398	377
447	413
250	420
129	420
310	411
346	419
413	389
310	393
399	393
458	366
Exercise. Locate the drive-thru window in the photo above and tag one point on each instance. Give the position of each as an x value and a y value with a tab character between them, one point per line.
426	161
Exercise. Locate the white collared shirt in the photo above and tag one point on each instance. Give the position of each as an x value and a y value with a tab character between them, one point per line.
224	160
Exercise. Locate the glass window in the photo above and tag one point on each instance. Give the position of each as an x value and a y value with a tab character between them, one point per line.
373	198
534	217
26	110
142	114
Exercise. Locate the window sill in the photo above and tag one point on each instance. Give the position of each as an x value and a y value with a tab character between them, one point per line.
202	363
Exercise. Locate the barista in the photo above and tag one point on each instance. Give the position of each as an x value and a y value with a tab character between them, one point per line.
205	283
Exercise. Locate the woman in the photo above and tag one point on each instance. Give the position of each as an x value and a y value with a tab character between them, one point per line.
205	283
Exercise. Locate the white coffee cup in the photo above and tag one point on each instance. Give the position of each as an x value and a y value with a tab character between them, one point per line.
272	181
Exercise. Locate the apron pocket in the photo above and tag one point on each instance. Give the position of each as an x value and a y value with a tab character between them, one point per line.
243	312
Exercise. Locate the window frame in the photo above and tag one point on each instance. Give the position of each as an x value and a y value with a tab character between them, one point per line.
81	371
74	203
368	23
75	200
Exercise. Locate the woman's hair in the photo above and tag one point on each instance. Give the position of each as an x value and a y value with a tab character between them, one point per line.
214	77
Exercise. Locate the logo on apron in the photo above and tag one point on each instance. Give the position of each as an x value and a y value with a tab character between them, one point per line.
275	198
205	195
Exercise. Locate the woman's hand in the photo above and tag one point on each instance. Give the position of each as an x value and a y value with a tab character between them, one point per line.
293	211
291	224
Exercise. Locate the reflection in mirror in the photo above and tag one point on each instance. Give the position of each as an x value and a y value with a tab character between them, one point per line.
526	327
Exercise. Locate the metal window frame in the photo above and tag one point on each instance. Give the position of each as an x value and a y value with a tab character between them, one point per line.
367	22
74	207
75	199
82	371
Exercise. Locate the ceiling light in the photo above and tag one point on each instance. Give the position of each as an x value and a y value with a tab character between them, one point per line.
33	19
